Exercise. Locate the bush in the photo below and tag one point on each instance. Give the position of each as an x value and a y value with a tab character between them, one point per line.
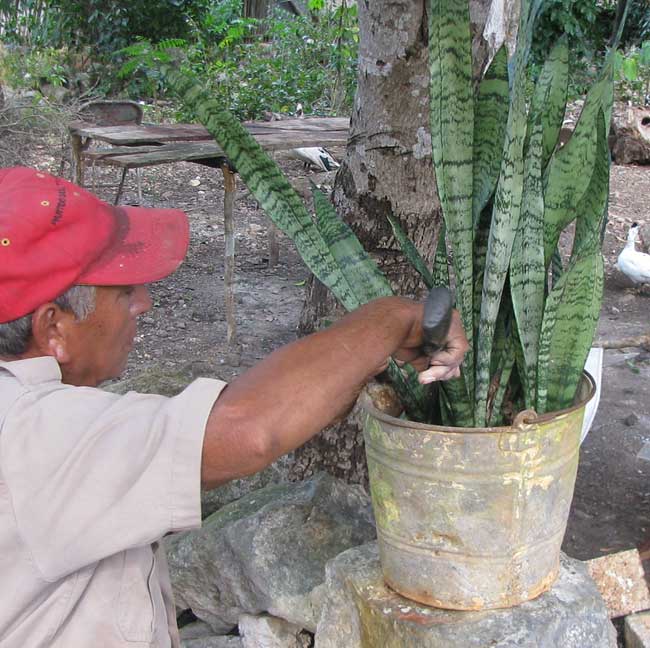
253	66
633	74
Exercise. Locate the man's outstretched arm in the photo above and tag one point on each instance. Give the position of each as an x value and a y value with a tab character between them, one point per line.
287	398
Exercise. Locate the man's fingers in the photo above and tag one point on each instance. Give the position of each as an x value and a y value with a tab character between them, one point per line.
436	373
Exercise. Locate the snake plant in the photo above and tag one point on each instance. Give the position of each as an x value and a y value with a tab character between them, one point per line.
507	190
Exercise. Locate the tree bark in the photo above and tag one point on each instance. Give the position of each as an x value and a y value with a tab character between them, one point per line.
388	170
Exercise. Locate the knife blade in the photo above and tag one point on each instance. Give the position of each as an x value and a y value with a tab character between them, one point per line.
437	319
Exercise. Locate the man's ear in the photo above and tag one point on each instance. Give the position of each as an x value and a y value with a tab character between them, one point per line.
49	326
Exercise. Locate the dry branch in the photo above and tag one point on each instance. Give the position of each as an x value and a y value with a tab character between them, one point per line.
642	342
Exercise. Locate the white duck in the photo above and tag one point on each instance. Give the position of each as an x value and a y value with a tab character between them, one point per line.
315	156
633	264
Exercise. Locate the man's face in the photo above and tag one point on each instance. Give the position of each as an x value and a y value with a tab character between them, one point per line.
98	346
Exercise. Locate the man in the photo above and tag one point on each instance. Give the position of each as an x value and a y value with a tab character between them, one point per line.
89	480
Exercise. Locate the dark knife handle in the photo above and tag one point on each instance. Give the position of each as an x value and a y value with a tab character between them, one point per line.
437	319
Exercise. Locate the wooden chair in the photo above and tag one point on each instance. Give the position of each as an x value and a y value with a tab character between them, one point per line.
113	112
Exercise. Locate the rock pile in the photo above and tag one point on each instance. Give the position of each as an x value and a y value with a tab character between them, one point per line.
295	565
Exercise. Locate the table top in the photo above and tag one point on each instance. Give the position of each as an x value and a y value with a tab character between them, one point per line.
274	135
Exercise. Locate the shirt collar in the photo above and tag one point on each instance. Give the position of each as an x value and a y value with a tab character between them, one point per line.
33	371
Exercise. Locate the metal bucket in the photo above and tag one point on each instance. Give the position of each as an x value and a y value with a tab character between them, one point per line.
473	518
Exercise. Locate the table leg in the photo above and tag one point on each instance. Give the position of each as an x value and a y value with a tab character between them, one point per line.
274	246
230	187
121	185
77	147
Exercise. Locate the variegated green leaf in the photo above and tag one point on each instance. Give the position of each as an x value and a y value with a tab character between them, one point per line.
460	406
549	99
440	273
570	319
452	133
505	218
502	378
411	253
491	118
369	282
458	402
591	211
527	270
569	171
411	393
481	237
266	182
455	402
557	266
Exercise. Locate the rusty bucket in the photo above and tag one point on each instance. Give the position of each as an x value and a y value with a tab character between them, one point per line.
472	518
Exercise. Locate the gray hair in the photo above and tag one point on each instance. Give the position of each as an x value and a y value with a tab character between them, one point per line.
15	335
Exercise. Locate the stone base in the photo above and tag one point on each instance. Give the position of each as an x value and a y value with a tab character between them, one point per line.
359	611
637	630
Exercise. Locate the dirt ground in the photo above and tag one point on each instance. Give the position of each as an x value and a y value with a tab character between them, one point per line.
184	335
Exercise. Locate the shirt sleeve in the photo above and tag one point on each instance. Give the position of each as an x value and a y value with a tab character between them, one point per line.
92	473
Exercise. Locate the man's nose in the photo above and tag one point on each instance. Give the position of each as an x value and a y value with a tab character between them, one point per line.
141	300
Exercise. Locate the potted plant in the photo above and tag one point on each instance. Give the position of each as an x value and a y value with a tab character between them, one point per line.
472	483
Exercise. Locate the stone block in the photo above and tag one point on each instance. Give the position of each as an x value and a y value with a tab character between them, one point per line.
359	611
637	630
621	580
266	552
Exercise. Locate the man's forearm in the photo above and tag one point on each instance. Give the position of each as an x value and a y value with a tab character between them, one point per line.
299	389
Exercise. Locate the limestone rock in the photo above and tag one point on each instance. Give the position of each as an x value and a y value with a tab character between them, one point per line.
620	579
213	500
213	642
637	630
267	551
359	610
196	630
266	631
201	635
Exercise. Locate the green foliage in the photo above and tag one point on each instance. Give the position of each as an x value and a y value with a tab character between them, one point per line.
33	68
297	60
632	70
506	191
637	27
253	66
106	25
588	26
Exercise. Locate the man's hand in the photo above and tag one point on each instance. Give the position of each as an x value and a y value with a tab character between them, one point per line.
443	364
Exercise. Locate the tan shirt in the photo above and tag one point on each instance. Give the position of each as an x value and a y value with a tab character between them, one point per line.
89	481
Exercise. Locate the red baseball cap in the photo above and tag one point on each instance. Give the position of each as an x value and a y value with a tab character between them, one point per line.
54	235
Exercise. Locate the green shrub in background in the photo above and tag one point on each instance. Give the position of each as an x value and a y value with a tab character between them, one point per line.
632	69
22	67
252	66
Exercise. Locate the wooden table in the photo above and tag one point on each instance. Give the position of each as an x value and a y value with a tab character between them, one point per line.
133	146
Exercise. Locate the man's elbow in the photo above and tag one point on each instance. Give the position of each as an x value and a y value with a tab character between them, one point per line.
236	448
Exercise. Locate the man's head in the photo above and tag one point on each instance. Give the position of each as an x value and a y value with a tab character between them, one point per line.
55	236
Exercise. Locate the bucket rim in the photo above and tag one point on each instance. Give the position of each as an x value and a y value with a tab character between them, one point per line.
367	404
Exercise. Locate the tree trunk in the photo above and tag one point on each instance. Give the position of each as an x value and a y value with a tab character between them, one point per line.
256	8
388	170
629	136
